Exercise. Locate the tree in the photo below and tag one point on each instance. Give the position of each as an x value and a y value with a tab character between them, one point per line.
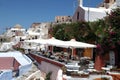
108	34
77	30
113	18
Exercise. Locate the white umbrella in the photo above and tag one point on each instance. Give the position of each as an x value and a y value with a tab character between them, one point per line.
75	44
56	42
59	43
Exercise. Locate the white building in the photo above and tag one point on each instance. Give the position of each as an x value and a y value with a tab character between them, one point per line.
63	19
12	37
91	14
17	30
38	30
16	33
13	64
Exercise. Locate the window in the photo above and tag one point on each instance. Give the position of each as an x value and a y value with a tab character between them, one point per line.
77	15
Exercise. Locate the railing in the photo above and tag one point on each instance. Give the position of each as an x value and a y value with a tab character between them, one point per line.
39	58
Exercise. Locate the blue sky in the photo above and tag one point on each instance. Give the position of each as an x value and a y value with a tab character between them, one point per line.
26	12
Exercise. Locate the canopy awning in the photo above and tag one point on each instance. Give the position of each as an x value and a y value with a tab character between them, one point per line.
59	43
76	44
55	42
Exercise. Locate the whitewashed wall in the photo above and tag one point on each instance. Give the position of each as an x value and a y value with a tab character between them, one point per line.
89	14
48	67
94	15
6	75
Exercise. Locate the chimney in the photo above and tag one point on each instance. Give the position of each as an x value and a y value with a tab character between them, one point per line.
80	2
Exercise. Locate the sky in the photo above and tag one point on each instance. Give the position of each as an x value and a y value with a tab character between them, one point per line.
26	12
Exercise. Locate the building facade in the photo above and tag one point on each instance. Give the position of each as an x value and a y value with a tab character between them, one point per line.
38	30
91	14
63	19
